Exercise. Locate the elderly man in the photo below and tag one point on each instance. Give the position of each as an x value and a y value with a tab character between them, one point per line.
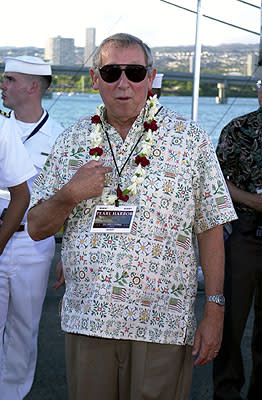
24	264
128	257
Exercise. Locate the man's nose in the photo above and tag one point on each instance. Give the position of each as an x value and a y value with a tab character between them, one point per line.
123	81
2	85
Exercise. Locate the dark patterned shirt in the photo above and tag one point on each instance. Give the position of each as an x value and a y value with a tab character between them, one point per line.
239	152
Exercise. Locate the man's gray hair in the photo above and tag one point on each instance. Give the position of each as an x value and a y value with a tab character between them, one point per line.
123	40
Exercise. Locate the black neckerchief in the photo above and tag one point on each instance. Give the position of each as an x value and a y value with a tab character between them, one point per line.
38	127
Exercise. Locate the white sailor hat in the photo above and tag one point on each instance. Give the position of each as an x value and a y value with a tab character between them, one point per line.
27	65
157	82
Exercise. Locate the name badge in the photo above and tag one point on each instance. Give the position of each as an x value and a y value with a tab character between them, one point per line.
111	219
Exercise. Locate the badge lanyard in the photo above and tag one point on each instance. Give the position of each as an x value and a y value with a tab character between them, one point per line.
38	127
128	158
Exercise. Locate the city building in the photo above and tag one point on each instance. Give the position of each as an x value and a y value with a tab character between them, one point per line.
191	63
90	46
60	51
252	65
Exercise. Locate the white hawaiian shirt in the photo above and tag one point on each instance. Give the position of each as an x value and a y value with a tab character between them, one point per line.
138	286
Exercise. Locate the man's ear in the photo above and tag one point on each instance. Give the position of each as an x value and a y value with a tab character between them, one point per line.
94	77
151	79
33	88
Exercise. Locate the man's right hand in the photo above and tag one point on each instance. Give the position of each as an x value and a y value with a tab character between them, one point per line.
252	200
88	181
255	201
60	279
46	218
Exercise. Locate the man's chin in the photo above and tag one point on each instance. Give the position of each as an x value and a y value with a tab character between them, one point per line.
6	105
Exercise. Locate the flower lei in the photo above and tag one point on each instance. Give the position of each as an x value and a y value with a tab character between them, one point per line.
141	159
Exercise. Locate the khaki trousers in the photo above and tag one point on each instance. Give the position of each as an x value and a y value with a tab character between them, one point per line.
109	369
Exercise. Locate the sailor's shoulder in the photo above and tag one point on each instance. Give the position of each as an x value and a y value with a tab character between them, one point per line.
5	114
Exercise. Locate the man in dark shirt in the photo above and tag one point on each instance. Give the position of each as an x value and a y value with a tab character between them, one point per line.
240	155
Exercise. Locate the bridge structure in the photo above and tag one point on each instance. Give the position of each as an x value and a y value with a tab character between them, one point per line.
222	81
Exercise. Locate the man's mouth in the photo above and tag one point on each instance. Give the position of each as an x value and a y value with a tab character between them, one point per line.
123	98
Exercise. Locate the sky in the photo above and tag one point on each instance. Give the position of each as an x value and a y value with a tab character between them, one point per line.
31	23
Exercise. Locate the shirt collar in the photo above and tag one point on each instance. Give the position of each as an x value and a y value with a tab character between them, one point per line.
44	129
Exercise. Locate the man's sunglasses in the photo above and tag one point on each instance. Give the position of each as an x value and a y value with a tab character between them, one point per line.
134	73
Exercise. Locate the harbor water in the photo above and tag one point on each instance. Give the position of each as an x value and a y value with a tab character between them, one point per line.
211	116
69	108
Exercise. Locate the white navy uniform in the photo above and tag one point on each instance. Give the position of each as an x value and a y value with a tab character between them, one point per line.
15	165
24	270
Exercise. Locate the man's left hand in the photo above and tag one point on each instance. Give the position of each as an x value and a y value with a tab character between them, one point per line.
209	334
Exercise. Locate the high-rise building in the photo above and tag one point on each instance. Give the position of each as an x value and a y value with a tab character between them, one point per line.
251	63
90	46
191	63
253	69
60	51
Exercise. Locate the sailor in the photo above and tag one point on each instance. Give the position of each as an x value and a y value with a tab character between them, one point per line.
15	168
24	264
157	85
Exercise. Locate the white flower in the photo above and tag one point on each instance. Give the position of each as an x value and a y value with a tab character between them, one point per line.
152	103
146	149
137	179
96	137
133	188
95	158
139	176
151	113
149	137
109	198
98	129
140	171
99	109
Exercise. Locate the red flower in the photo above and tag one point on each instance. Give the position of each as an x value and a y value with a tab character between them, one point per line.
152	125
150	94
96	151
142	160
120	195
96	119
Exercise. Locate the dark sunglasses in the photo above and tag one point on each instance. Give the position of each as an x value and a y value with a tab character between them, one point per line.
134	73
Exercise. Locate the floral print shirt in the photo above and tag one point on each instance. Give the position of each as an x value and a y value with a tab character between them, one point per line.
239	152
138	286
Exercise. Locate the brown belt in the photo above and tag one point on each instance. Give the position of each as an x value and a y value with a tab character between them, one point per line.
21	228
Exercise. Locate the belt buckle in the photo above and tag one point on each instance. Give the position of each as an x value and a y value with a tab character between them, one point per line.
259	232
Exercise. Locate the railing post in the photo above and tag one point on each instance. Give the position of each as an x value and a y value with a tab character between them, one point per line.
82	83
221	98
197	59
260	43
